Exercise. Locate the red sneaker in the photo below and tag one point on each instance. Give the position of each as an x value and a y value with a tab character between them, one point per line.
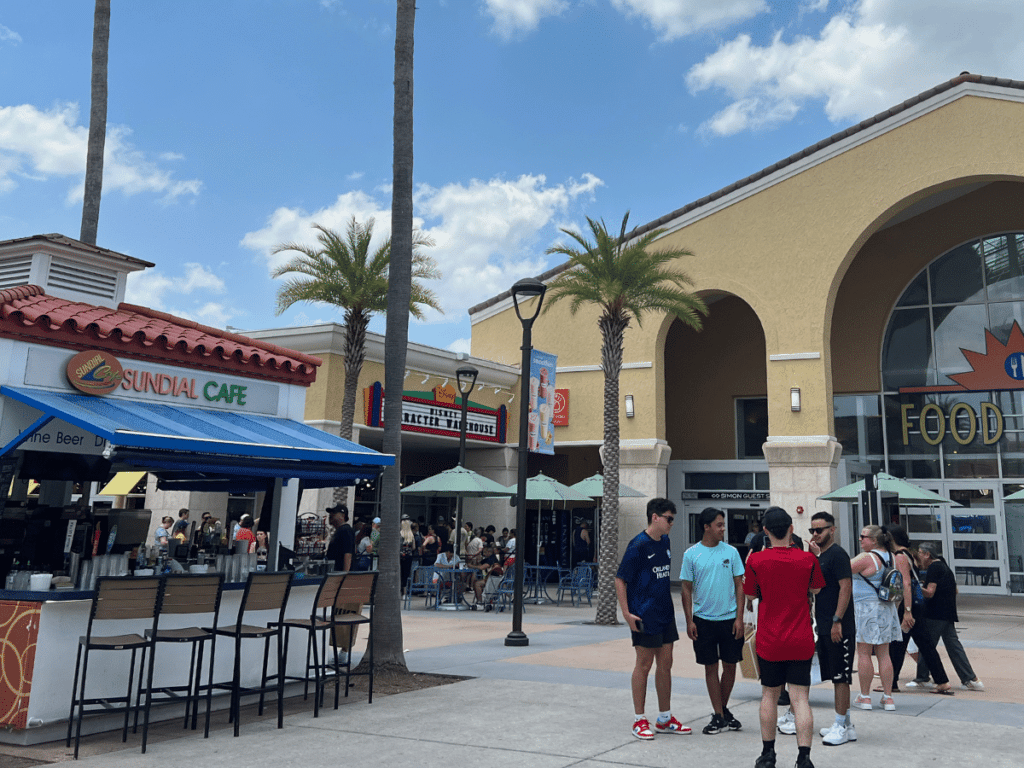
670	726
642	729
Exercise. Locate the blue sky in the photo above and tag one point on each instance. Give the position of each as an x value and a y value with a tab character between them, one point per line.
234	125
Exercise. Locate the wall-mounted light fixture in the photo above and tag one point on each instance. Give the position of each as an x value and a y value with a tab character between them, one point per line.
794	398
630	412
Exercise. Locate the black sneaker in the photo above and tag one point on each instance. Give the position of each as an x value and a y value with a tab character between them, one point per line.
804	762
766	760
717	725
731	722
784	698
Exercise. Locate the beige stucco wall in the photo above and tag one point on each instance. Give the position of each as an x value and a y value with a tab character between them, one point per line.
785	251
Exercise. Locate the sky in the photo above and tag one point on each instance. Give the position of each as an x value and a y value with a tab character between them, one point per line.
235	125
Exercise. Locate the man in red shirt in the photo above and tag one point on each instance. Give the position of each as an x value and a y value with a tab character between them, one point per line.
783	577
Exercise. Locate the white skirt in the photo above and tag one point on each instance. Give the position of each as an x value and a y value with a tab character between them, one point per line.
877	622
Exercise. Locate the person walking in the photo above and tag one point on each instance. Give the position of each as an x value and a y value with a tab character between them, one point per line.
939	589
837	629
642	585
877	621
712	595
783	577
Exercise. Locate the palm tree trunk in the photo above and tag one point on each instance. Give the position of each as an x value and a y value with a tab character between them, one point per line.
97	123
387	648
613	328
355	355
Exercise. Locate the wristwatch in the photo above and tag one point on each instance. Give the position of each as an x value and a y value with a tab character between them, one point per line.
836	619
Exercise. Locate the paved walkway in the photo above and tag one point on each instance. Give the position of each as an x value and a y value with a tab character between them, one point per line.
564	701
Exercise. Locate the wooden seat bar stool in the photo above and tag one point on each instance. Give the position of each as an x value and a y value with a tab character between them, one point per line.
118	599
186	594
318	623
264	591
358	589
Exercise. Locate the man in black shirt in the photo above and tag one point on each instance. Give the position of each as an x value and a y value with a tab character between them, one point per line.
343	543
837	629
939	587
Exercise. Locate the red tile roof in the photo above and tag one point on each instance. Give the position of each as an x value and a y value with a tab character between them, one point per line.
28	314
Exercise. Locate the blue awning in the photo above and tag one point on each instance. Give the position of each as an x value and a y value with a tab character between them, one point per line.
229	442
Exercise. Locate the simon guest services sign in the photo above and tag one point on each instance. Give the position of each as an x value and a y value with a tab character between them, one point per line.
436	413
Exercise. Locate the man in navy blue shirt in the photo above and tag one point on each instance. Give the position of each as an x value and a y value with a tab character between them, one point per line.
642	586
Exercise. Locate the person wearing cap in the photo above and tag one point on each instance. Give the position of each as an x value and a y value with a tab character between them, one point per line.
643	587
343	544
782	577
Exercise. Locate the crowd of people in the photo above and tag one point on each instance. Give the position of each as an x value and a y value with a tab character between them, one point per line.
879	606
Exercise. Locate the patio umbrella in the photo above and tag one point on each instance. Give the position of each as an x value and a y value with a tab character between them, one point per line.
909	494
541	488
593	487
461	483
1018	496
458	481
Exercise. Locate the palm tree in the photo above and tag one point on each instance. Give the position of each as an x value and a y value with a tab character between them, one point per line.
388	653
625	278
344	272
97	123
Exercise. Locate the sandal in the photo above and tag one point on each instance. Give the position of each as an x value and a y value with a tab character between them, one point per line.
943	691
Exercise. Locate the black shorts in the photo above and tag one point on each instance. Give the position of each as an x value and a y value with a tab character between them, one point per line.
666	635
716	641
836	659
776	673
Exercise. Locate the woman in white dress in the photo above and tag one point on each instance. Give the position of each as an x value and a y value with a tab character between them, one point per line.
877	621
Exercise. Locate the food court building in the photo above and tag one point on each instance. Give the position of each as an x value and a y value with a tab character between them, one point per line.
866	301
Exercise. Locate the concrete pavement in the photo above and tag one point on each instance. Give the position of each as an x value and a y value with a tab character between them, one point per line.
564	701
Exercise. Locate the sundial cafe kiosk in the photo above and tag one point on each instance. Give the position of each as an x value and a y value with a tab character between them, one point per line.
96	393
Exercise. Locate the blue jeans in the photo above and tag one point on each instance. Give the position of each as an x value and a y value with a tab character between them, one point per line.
946	631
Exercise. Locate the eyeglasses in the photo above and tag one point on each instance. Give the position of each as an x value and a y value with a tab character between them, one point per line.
671	518
819	530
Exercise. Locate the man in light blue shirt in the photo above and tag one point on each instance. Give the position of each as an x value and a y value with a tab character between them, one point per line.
712	577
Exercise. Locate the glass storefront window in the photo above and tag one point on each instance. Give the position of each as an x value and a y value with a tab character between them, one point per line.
751	427
859	426
956	277
907	350
1004	265
719	481
957	328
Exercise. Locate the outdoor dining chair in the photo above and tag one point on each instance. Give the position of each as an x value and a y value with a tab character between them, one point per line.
319	623
579	585
264	591
189	594
358	588
118	599
422	584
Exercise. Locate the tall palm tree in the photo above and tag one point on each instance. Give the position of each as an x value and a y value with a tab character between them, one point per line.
625	278
97	123
388	654
345	272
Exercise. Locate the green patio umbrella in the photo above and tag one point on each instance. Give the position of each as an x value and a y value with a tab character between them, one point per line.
593	487
540	488
458	481
909	494
1018	496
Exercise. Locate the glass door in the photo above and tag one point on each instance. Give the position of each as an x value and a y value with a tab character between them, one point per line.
970	536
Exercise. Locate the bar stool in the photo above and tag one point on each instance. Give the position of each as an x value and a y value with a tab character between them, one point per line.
190	594
117	599
358	589
264	591
319	621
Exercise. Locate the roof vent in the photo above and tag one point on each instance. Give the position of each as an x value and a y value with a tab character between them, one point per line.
67	275
15	271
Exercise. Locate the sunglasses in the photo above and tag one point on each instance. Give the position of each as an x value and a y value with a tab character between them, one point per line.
671	518
819	530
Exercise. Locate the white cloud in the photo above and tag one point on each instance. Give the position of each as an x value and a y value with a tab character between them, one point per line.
164	292
867	57
460	346
39	144
8	35
673	19
515	16
488	234
354	176
813	5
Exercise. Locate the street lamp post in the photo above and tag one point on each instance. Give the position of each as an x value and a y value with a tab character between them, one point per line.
522	291
465	377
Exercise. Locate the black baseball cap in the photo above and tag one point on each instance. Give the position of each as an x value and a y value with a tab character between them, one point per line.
776	517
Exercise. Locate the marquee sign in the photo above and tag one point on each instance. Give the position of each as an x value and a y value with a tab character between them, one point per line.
434	413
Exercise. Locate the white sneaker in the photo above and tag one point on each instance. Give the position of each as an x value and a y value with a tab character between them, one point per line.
835	735
862	702
923	684
851	732
787	724
974	685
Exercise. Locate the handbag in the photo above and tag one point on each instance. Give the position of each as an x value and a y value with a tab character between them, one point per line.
748	662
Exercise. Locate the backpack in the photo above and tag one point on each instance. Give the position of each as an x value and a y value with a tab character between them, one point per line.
890	589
